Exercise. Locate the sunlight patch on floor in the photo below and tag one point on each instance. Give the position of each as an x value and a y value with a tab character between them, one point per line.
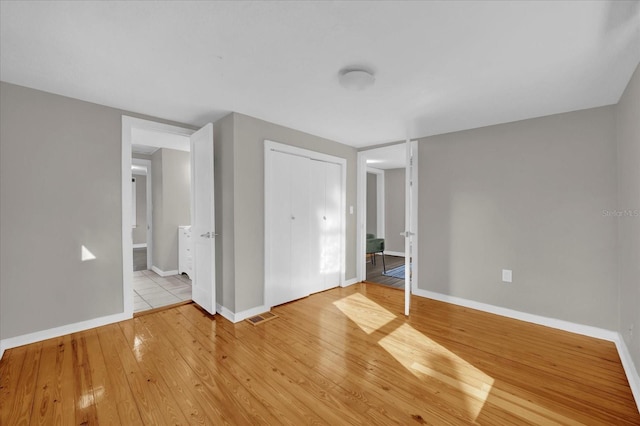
366	313
464	385
467	386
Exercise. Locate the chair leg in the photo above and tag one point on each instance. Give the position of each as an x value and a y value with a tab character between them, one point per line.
384	267
373	259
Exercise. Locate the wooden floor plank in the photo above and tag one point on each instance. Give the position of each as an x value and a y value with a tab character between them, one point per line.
343	356
48	395
257	403
10	369
156	384
19	405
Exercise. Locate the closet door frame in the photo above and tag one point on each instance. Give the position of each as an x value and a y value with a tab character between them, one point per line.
269	148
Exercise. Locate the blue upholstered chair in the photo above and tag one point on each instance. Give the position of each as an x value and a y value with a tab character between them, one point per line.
376	245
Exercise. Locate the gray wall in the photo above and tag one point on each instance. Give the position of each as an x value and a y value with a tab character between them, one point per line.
628	137
394	183
526	196
140	231
156	202
60	188
171	185
372	204
250	134
223	139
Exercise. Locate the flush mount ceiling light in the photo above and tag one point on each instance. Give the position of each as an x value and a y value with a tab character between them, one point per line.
356	79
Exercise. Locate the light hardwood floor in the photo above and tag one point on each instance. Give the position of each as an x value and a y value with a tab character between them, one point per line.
345	356
375	272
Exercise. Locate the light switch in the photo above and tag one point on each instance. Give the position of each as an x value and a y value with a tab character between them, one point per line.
507	275
350	209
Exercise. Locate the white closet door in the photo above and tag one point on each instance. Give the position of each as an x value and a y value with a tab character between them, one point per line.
317	187
300	224
332	241
280	224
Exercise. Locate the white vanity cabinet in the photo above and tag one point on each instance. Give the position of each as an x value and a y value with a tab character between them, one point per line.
185	251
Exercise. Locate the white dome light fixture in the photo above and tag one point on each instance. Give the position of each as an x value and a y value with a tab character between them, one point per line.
356	79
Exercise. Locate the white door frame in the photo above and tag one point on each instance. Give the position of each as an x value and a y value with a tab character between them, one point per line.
149	201
129	124
380	202
269	147
361	261
411	223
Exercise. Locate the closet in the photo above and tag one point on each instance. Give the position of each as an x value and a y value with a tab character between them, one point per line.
304	224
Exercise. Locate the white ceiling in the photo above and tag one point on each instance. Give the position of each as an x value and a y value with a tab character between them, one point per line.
439	66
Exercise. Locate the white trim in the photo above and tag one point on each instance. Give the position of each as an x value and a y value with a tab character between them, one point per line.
361	218
141	245
127	235
25	339
128	124
629	368
352	281
394	253
414	206
134	204
242	315
271	146
147	165
163	273
585	330
225	312
380	201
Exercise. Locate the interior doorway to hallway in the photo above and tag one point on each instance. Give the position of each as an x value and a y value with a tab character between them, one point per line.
387	231
161	196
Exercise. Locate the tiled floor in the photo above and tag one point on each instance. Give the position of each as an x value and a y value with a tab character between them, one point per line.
153	291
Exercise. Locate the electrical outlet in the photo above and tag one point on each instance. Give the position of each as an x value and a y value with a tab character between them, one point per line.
630	330
507	275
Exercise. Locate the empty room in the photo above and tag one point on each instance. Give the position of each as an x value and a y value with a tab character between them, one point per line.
320	212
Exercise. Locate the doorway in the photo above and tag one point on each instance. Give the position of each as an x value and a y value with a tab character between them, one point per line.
385	250
142	218
170	154
161	214
387	231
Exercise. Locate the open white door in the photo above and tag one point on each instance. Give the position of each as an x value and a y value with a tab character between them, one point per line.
203	219
411	228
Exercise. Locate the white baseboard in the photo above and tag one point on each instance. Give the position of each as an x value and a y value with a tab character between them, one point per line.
141	245
629	368
394	253
225	312
164	273
25	339
242	315
352	281
585	330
